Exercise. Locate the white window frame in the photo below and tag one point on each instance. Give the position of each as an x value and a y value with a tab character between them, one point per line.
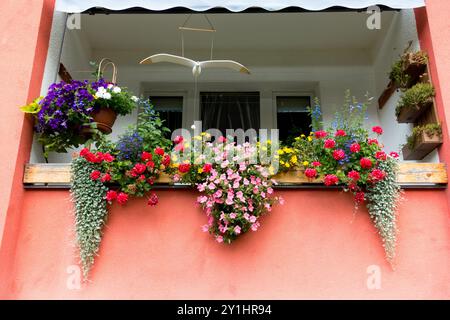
276	94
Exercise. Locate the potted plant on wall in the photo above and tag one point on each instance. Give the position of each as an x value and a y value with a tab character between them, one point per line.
408	69
422	141
415	102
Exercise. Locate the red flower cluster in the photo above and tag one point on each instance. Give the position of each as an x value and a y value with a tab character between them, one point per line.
365	163
340	133
330	179
184	167
97	157
354	175
207	168
311	173
377	175
355	147
320	134
378	130
329	144
381	155
338	154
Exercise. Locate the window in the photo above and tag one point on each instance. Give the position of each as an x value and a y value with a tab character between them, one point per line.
292	116
230	110
170	109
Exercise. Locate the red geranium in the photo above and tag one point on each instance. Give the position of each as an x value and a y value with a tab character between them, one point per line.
359	197
329	144
330	179
377	175
311	173
166	160
338	154
184	167
150	164
354	175
111	195
138	169
365	163
159	151
152	200
95	174
107	157
394	154
106	177
378	130
316	164
222	139
207	167
340	133
122	198
381	155
372	141
146	156
84	152
320	134
355	147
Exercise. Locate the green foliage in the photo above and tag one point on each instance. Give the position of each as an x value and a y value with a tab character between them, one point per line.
415	97
430	130
398	76
90	211
151	128
382	204
33	108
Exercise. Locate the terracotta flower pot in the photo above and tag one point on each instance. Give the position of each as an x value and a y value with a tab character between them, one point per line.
105	119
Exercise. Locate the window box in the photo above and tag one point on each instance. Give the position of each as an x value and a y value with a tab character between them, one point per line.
424	144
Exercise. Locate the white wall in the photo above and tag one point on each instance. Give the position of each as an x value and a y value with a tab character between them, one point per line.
325	73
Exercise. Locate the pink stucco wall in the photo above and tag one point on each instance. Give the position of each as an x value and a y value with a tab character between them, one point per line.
308	248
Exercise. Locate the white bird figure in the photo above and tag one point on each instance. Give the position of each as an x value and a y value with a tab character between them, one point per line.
196	66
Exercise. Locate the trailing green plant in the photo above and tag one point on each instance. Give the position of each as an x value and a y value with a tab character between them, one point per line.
431	129
398	76
90	211
382	200
415	97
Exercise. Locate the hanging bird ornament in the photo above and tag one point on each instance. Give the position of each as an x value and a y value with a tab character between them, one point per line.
197	66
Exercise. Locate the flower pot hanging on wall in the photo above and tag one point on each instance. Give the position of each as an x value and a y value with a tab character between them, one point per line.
423	145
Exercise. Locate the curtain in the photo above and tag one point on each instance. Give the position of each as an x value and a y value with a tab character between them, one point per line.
230	110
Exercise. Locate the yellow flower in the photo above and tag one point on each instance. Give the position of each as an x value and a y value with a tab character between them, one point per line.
297	138
200	170
174	158
287	165
269	141
309	138
302	135
271	170
187	145
280	152
198	138
305	163
281	161
203	134
294	159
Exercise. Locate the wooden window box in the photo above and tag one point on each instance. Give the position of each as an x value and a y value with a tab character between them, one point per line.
423	146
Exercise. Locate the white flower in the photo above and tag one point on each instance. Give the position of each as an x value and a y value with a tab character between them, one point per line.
99	95
117	90
110	86
193	127
107	95
101	90
135	99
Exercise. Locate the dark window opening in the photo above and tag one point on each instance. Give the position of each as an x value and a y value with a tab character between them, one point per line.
170	109
230	110
292	117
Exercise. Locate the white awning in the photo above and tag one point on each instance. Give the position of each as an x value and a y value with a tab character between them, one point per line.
74	6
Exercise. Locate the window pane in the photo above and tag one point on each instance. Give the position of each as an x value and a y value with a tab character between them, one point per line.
292	116
230	110
170	110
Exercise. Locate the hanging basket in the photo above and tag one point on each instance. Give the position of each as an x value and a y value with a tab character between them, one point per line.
104	117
